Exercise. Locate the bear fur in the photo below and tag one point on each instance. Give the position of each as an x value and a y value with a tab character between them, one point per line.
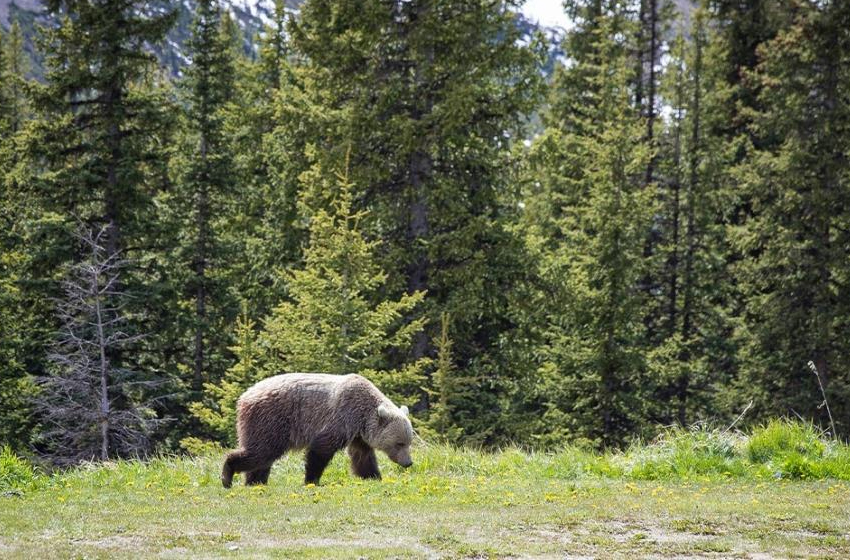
323	414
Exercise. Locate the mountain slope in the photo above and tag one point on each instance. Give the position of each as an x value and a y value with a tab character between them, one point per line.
249	15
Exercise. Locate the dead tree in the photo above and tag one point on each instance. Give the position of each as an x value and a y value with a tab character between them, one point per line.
90	407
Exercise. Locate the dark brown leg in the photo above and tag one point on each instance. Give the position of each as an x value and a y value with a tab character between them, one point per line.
363	460
242	461
258	476
319	454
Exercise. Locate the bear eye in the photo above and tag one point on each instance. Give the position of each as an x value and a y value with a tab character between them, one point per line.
400	444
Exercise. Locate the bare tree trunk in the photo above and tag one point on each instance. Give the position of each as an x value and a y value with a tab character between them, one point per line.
676	186
202	223
420	172
690	228
113	243
650	101
104	363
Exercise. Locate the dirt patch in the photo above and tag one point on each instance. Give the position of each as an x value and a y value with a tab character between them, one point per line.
124	542
328	542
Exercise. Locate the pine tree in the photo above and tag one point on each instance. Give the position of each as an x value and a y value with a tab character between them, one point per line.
24	313
217	412
588	216
333	320
429	95
692	354
794	266
202	201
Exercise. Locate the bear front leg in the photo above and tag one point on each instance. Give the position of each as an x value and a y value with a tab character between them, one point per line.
320	452
364	463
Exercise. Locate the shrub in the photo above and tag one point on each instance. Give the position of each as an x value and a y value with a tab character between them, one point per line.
781	438
15	473
680	453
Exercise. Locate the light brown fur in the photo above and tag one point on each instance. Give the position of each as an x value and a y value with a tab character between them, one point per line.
323	414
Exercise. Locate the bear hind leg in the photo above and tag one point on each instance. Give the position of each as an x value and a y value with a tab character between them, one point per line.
242	460
364	463
258	476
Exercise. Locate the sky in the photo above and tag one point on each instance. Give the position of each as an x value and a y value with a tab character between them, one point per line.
547	12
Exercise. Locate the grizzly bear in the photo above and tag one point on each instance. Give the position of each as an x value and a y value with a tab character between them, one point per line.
321	413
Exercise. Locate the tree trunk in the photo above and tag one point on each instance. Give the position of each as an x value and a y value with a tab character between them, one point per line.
676	186
202	224
690	230
103	365
420	172
650	101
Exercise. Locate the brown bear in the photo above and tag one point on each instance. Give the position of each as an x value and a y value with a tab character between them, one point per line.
322	413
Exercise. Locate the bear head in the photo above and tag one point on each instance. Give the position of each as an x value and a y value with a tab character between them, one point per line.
392	434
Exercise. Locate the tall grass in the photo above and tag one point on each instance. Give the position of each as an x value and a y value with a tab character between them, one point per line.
16	474
780	449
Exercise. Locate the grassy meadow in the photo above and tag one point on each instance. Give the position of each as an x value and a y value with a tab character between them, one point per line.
782	491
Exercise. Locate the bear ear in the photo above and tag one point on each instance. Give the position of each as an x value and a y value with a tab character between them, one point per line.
404	410
384	413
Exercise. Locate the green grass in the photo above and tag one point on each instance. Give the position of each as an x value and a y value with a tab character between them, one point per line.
779	492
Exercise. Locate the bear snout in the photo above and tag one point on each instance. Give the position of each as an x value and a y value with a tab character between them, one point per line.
407	464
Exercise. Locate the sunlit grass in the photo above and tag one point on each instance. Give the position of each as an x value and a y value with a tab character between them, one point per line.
687	493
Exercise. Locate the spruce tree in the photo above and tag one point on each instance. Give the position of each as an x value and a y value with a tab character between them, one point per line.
14	107
429	95
217	411
202	201
794	265
450	389
268	142
24	311
97	123
4	93
94	154
332	320
588	217
692	355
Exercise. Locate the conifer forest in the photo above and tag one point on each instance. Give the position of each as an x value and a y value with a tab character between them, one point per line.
543	240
